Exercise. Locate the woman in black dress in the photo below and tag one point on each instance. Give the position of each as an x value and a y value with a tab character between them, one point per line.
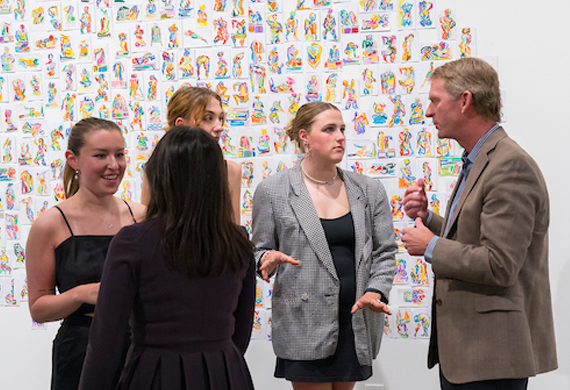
68	243
328	235
185	277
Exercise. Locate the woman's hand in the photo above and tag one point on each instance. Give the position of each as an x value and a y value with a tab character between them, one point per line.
371	300
271	260
87	293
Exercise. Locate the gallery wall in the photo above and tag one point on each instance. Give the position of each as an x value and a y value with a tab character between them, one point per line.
522	39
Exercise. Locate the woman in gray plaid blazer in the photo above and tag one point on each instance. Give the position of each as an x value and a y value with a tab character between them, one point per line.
328	236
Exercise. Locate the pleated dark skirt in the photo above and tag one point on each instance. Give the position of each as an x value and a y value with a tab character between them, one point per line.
208	366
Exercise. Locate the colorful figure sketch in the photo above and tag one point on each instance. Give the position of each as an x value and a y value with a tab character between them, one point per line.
401	276
387	82
405	19
424	143
330	26
424	11
399	111
406	178
465	44
389	54
418	273
349	93
447	24
292	27
331	88
406	143
360	122
416	112
379	116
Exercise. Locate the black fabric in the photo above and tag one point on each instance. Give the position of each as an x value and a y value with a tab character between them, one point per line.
497	384
343	366
187	333
78	260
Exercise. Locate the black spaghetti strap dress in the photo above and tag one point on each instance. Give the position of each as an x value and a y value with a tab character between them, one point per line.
78	260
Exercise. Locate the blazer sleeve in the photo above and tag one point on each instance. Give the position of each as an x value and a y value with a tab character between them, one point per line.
104	360
264	236
244	311
435	224
513	195
384	247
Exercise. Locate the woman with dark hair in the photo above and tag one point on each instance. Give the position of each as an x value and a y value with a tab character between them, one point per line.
185	277
68	243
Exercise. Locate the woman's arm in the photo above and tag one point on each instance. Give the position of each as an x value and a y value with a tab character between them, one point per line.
234	179
244	310
145	191
44	304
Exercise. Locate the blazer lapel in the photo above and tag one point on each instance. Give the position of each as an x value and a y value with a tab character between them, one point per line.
358	211
304	210
478	167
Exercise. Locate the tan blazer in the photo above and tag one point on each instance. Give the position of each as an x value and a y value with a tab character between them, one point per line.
492	313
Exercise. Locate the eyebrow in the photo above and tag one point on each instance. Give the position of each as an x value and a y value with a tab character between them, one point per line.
105	150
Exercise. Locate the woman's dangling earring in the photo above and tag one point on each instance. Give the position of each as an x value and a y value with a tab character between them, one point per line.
76	174
307	148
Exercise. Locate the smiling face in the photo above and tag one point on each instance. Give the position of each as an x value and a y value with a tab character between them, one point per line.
212	121
326	137
101	161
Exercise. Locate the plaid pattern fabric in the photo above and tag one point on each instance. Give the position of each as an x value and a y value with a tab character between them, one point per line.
306	297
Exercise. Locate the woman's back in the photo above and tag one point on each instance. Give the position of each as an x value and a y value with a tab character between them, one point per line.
193	321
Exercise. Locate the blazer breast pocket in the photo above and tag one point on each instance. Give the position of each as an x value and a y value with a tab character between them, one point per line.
498	303
287	225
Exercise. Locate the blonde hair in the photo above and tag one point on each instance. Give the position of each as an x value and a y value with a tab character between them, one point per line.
304	120
476	76
75	142
187	103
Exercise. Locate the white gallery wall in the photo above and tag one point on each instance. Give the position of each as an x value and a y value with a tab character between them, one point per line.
528	39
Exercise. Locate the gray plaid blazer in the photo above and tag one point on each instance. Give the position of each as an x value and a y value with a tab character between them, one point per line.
306	297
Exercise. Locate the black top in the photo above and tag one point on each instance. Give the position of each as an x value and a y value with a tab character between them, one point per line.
79	260
187	333
340	237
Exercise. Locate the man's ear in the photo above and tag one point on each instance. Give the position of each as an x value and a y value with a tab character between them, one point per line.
466	101
179	121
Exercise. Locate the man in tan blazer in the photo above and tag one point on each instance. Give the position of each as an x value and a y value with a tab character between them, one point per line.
492	322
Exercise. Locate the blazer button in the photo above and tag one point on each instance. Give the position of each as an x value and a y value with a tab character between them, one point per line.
438	302
305	297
